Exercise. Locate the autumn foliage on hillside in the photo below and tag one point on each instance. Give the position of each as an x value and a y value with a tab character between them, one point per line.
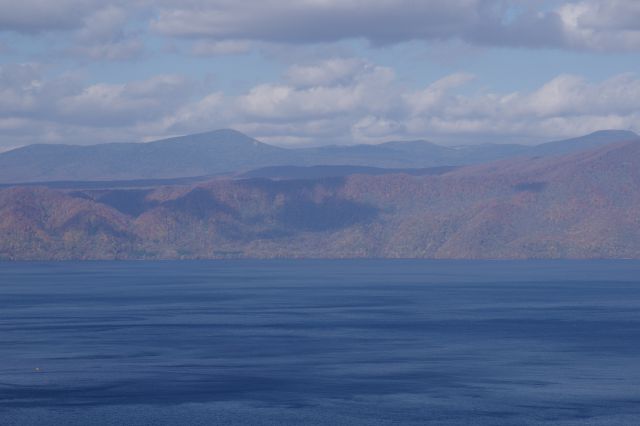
584	205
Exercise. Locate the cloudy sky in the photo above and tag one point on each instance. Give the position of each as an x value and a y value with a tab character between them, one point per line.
310	72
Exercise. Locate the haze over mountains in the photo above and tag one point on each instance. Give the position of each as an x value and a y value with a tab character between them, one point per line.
578	198
228	151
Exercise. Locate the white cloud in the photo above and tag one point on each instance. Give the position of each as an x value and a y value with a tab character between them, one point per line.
111	51
88	28
225	47
587	24
125	104
103	36
23	89
381	21
33	16
228	27
103	24
208	113
431	98
330	71
602	25
567	105
370	106
340	100
371	88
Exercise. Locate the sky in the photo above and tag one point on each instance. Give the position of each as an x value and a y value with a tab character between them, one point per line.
315	72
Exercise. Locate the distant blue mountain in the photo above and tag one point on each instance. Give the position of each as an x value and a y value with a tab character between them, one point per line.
319	172
229	151
193	155
592	140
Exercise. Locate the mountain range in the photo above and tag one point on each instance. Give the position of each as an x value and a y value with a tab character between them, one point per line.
228	151
577	198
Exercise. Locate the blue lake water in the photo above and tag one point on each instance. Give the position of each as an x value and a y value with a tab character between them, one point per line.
367	342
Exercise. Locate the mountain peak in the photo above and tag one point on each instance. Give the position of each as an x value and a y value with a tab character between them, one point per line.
228	150
409	143
592	140
219	136
613	133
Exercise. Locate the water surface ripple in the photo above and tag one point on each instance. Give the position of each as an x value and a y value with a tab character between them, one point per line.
362	342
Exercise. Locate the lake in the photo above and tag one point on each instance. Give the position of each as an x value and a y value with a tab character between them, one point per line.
344	342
